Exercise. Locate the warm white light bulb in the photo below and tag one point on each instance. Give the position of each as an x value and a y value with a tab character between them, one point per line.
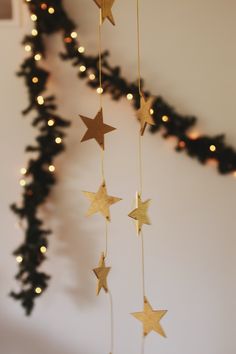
40	100
28	48
81	49
58	140
165	119
23	171
37	56
51	10
151	111
212	148
82	68
51	122
129	96
99	90
92	77
43	249
51	168
19	259
73	35
35	80
38	290
34	32
33	17
22	182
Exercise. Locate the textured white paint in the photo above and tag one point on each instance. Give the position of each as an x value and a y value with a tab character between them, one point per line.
188	55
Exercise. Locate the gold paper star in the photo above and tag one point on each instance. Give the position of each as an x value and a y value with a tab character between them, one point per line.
140	213
150	319
105	6
101	273
101	202
144	114
96	128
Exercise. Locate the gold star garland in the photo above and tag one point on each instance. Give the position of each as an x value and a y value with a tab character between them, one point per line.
150	318
100	201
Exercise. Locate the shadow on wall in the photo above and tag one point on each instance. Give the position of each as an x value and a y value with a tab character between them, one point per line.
76	240
17	340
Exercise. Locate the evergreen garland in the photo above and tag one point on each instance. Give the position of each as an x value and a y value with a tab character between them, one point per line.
49	17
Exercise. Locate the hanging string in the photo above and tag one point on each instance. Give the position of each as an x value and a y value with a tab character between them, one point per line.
140	161
143	264
111	323
100	91
100	56
138	47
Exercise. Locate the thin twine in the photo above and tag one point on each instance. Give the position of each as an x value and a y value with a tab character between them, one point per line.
143	264
140	163
103	174
111	323
138	46
100	56
140	160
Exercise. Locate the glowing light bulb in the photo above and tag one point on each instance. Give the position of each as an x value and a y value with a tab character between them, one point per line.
43	249
28	0
38	57
151	111
129	96
99	90
193	135
51	168
234	174
35	80
34	32
22	182
212	148
23	171
33	17
165	119
58	140
51	122
82	68
40	100
81	49
28	48
73	35
43	6
19	259
92	77
38	290
51	10
67	39
182	144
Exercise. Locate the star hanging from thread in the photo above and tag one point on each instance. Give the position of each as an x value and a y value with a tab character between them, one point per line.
101	273
150	319
106	6
101	202
96	128
140	213
144	113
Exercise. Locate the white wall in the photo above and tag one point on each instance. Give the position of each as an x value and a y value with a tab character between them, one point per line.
188	56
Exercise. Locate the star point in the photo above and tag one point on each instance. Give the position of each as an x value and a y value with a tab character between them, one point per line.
101	202
106	7
139	214
96	128
144	113
101	273
150	319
